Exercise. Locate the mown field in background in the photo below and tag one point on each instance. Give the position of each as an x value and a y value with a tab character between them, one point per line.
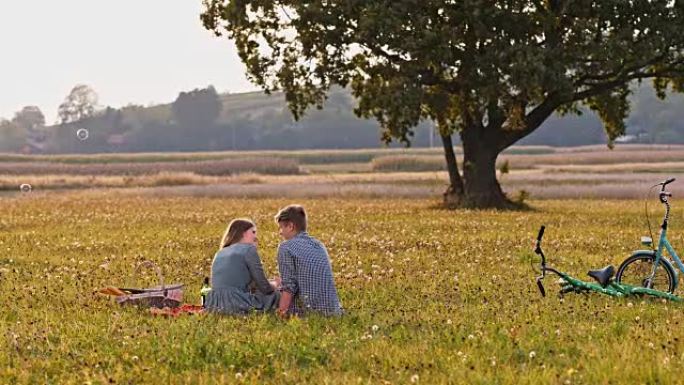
302	156
537	171
432	296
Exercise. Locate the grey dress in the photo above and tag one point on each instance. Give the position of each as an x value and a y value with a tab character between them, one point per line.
235	270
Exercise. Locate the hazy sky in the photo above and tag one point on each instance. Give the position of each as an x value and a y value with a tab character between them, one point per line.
129	51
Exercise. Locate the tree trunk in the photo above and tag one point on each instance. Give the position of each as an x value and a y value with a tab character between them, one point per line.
454	194
481	188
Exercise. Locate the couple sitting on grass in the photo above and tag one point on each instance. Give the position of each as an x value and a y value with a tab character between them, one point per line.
238	282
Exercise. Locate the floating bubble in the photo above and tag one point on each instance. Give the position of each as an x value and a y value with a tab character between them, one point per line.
25	188
82	134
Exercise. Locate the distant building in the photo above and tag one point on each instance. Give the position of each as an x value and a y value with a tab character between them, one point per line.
632	138
626	139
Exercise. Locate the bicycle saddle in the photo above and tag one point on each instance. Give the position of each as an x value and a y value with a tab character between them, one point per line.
603	276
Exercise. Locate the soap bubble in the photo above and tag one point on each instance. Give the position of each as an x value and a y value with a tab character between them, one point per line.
25	188
82	134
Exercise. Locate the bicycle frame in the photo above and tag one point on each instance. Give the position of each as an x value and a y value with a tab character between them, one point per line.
613	288
663	242
577	285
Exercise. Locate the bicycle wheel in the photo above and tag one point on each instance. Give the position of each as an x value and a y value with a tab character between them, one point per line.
637	268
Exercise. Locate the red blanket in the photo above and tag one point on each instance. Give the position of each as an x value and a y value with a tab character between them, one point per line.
175	312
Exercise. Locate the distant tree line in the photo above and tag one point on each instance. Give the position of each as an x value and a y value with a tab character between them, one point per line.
203	120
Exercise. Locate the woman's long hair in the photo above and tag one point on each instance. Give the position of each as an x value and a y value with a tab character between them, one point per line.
234	232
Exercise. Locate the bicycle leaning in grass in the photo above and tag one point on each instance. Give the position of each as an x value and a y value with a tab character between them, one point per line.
604	280
650	268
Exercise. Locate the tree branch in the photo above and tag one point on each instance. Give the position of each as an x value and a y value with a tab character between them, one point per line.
427	77
532	121
599	88
620	72
540	113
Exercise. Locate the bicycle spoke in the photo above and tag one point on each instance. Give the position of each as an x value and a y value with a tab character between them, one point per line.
637	273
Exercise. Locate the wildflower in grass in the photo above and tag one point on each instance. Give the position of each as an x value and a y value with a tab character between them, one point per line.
414	378
375	328
533	354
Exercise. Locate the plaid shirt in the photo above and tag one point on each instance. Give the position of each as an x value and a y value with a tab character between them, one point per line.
305	271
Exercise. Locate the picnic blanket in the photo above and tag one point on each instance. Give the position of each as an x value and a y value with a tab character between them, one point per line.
163	311
159	296
177	311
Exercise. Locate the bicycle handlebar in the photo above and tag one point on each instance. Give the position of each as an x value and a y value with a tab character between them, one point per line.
538	251
540	285
666	182
664	194
541	234
537	246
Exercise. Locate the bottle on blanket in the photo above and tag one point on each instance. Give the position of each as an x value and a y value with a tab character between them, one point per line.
204	291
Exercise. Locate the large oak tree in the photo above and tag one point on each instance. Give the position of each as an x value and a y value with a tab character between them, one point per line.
490	71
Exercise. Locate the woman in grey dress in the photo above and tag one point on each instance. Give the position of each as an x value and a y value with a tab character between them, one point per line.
236	270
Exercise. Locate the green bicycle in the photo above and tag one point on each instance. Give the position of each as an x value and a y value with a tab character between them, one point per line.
605	284
649	268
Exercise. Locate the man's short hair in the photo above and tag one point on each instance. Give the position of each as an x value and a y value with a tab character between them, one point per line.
294	214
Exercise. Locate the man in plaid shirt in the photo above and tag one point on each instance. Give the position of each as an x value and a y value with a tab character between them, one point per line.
306	276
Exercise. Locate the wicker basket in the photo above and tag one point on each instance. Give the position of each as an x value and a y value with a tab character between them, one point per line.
159	296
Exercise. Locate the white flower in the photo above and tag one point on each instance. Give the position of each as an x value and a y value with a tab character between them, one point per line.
449	321
238	375
375	328
533	354
414	378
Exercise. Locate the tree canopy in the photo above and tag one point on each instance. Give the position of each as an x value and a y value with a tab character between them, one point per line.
79	104
30	118
491	71
197	108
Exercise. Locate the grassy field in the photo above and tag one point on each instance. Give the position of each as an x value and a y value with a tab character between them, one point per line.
432	296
